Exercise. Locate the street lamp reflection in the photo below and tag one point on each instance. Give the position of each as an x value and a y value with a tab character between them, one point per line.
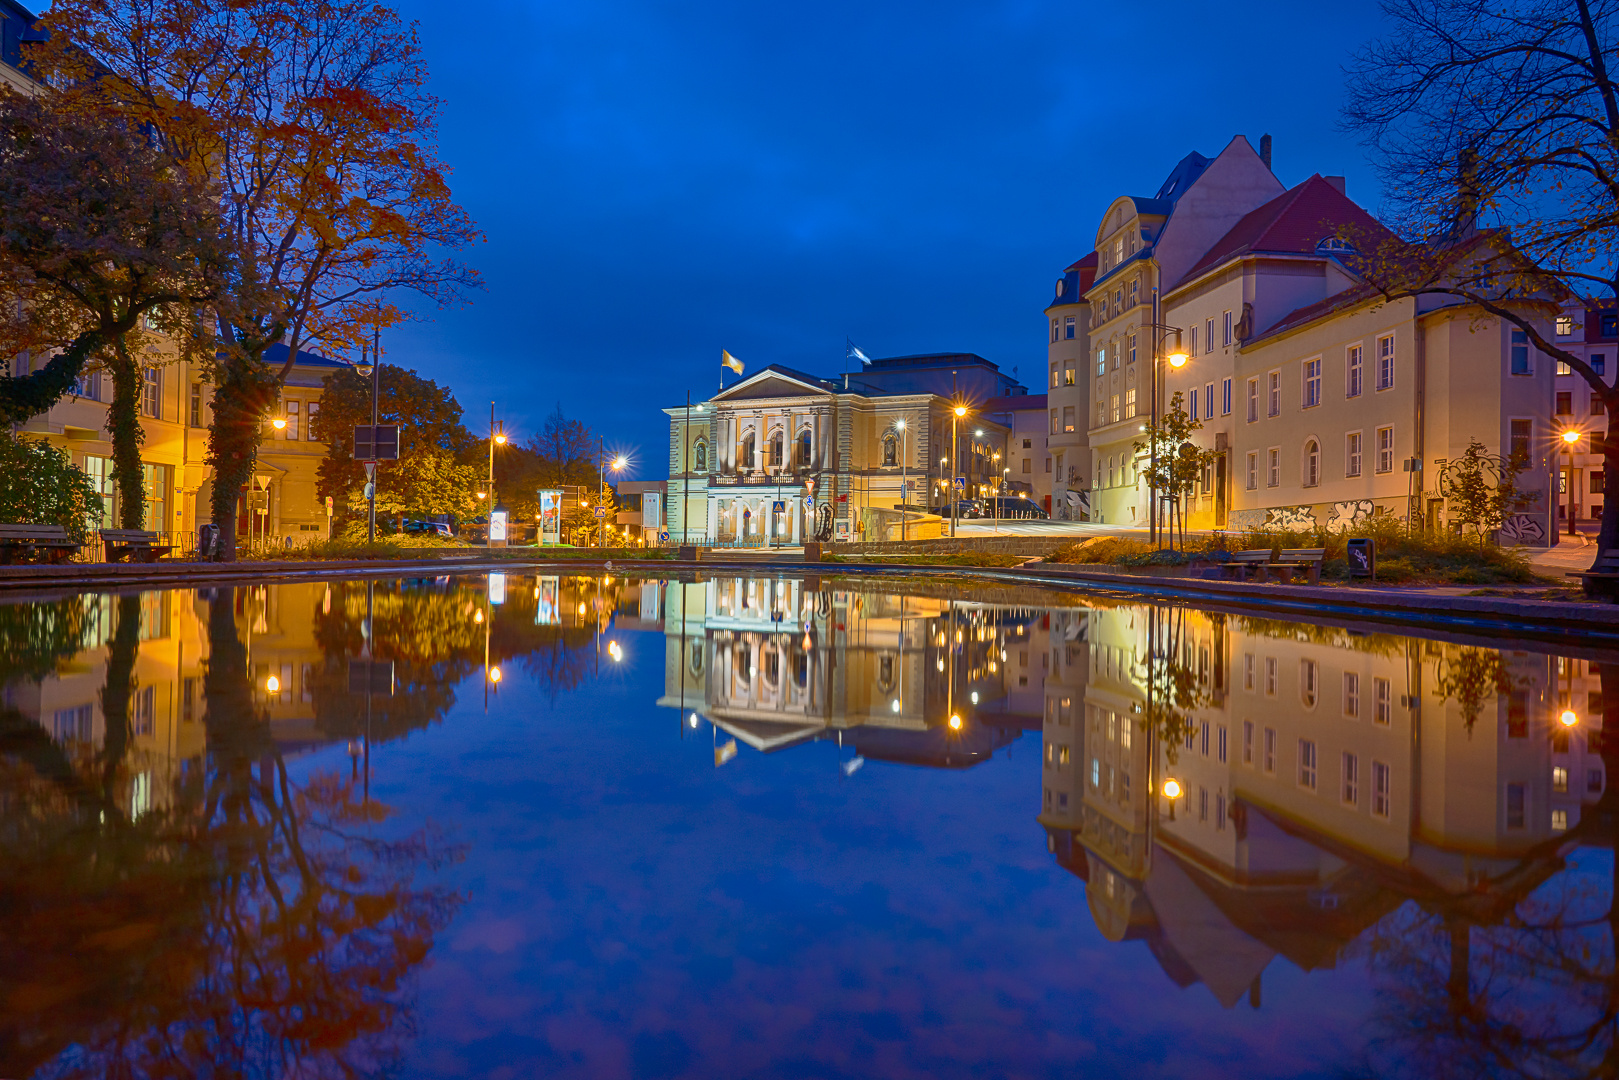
1172	788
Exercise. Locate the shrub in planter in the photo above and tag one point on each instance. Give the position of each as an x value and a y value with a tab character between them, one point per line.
40	486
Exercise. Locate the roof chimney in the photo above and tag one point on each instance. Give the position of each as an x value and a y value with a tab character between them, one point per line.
1264	150
1337	182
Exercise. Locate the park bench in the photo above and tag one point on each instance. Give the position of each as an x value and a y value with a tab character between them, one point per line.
1296	561
1242	562
1603	577
139	545
52	541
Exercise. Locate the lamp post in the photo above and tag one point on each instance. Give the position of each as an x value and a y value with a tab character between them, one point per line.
619	463
1177	358
497	437
1570	438
955	449
370	367
904	456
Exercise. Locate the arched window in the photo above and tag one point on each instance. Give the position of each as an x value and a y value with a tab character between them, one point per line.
699	457
744	457
890	450
1312	463
695	661
804	448
885	673
775	450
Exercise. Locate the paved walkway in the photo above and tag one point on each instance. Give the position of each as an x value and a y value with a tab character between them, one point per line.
1571	553
980	527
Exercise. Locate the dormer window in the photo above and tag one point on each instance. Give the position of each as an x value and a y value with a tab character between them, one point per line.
1118	250
1059	288
1334	244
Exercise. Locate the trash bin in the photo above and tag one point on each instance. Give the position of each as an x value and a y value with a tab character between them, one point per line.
207	540
1362	555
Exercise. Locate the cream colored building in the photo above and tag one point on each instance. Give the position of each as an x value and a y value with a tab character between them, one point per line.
1068	395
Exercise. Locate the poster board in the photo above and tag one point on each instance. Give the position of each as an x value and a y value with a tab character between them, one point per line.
551	516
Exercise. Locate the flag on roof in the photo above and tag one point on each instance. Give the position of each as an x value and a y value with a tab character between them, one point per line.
727	360
854	352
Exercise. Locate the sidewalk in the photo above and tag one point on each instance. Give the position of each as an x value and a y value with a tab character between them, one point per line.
1571	553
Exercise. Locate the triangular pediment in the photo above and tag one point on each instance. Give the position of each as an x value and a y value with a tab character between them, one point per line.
769	384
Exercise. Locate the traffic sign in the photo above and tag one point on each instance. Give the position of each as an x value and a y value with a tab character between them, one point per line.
809	502
779	506
601	512
380	443
961	482
663	537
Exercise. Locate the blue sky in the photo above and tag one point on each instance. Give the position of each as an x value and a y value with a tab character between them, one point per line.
659	181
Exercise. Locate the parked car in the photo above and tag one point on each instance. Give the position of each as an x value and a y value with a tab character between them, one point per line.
438	528
1012	508
965	509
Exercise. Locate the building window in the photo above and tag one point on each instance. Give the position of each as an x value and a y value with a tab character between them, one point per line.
1312	463
1381	786
1356	371
699	456
1309	689
1273	467
1272	680
1385	449
1053	331
744	458
775	451
1253	400
805	444
1564	369
1135	293
1208	335
1048	463
1068	375
1225	323
152	393
1253	470
1054	382
1385	363
1130	340
1559	779
1597	408
1101	360
292	416
1382	702
1269	763
1565	403
1068	325
1599	363
1129	403
1113	407
1521	436
1349	780
1517	796
1220	749
1565	326
1307	764
890	450
1028	465
1208	402
1248	671
1247	742
1520	354
1352	454
1352	695
1312	383
1225	397
1068	413
194	411
1274	396
314	411
1193	349
1054	420
1193	402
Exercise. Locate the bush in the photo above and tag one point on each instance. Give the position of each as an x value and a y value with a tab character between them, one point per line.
1403	556
39	485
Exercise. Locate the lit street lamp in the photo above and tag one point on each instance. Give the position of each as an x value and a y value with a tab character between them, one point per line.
1571	437
369	367
956	414
1177	357
497	437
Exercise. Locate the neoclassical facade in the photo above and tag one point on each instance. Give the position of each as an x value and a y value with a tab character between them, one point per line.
784	456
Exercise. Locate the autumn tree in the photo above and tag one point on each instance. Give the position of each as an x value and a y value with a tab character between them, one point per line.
1482	490
1495	125
1175	463
429	420
103	244
568	450
311	120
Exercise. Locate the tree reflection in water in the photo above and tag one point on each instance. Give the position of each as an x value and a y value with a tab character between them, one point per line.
245	927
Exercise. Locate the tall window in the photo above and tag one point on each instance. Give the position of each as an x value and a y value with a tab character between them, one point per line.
1135	293
1053	330
1309	683
1131	340
805	445
1520	354
1273	467
1253	400
1385	449
1054	420
890	450
1522	436
1355	365
1101	360
1352	695
1054	382
1068	374
1269	763
1208	335
1253	470
1113	401
1068	325
1194	339
1380	789
744	459
699	456
1068	413
1352	454
1225	396
1307	764
1312	383
775	450
1312	463
314	411
1225	328
1247	742
194	411
152	393
1208	402
1274	386
292	418
1193	412
1349	782
1385	363
1382	702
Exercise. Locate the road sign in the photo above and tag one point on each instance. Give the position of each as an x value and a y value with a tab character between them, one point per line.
809	502
380	443
961	482
663	537
328	506
601	512
779	506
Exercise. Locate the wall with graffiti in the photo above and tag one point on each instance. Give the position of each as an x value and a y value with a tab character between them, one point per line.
1526	528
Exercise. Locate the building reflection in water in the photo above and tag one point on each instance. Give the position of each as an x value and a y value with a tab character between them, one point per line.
1402	802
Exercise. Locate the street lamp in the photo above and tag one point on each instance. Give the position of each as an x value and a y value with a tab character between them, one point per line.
369	367
619	463
1571	437
955	418
904	460
497	437
1177	357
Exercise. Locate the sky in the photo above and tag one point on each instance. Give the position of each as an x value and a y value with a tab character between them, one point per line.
659	181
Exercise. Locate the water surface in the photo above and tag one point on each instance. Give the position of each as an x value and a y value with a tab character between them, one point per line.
516	826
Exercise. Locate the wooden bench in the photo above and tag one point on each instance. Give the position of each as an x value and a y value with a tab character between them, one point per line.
1244	561
52	541
1603	577
1295	561
139	545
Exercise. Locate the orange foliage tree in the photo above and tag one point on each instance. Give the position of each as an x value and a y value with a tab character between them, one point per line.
311	120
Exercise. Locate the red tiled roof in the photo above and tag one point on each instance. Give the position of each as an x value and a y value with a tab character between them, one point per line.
1292	223
1088	262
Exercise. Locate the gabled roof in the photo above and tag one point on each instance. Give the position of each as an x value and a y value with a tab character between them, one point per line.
1181	177
1293	223
811	382
277	354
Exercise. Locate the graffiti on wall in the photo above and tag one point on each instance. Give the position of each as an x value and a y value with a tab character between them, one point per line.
1341	515
1524	529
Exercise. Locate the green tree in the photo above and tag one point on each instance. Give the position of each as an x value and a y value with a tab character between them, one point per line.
102	242
428	482
1482	490
40	486
1178	463
429	420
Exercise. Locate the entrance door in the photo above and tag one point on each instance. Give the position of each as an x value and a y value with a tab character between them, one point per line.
1220	498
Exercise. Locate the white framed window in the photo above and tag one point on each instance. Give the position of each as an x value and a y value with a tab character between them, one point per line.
1273	386
1253	470
292	418
1307	764
1225	396
1193	332
1352	453
1054	421
1382	702
1247	742
1068	416
1053	330
1312	463
1068	326
1349	780
1521	363
314	411
1385	362
1208	335
1248	671
1192	412
1272	679
1130	402
1113	403
1225	324
1312	383
1385	449
1208	402
1273	467
1054	382
1101	360
152	392
1352	695
1355	371
1269	763
1565	326
1309	683
1068	374
1381	794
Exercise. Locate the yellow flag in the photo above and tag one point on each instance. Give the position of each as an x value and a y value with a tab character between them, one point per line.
724	753
727	360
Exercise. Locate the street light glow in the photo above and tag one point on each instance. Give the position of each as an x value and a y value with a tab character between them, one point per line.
899	425
279	423
619	462
1178	359
955	723
615	651
961	410
1172	788
1569	718
1571	436
494	674
273	685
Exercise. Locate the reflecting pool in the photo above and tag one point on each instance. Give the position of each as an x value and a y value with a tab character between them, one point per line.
776	826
